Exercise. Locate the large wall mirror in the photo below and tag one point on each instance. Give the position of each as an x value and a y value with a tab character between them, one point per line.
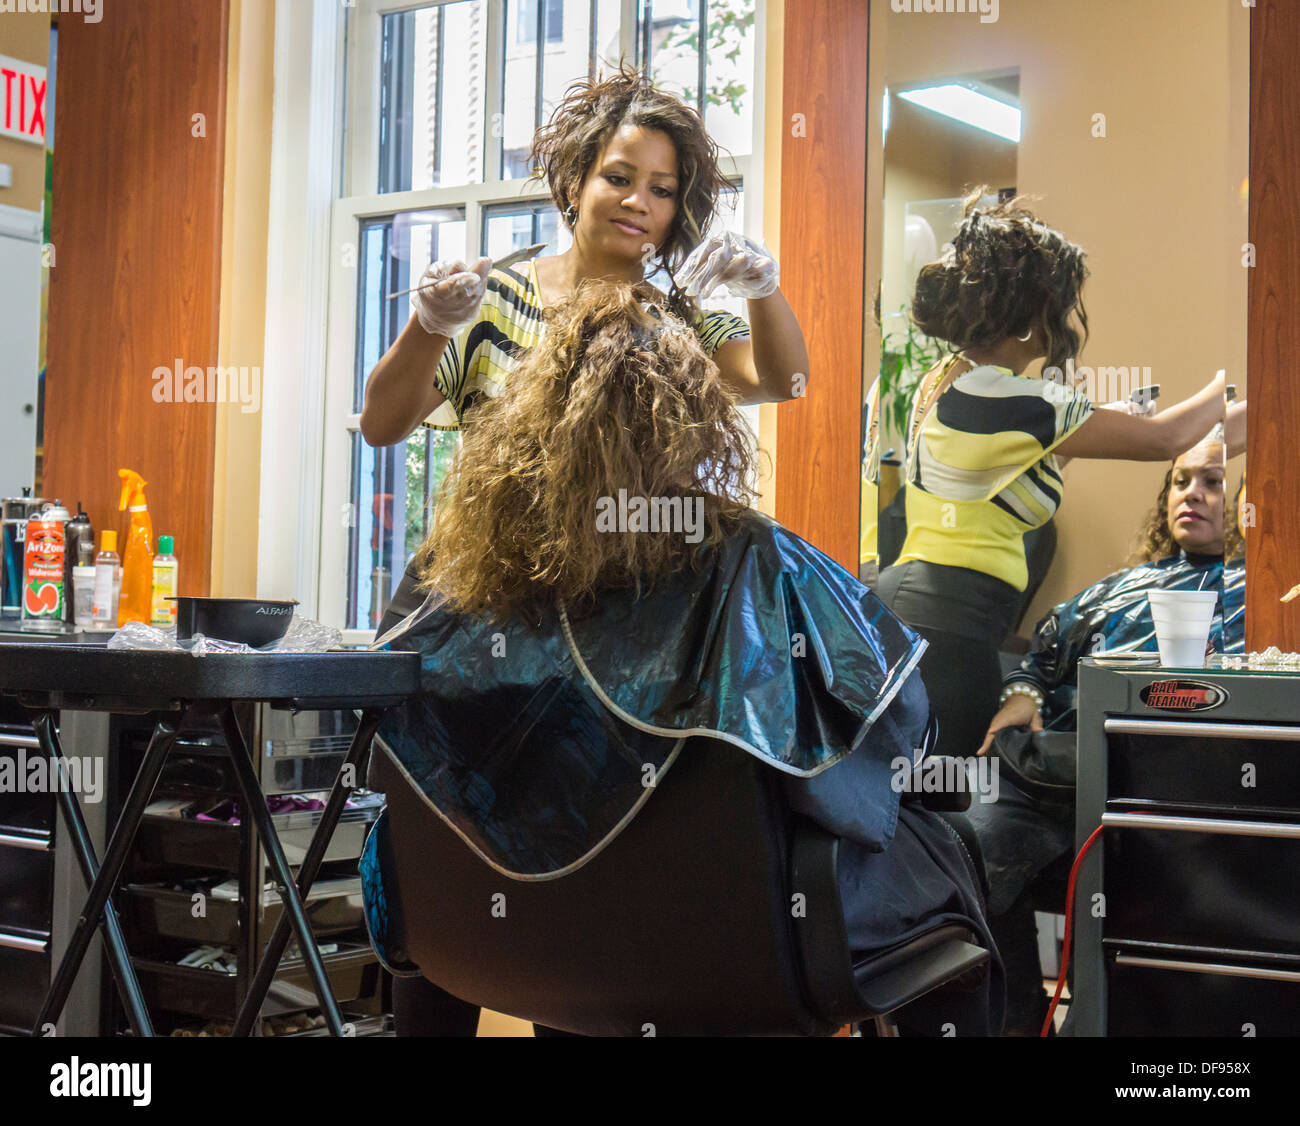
1128	126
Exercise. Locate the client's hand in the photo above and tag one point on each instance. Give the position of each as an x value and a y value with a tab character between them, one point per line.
741	264
1019	711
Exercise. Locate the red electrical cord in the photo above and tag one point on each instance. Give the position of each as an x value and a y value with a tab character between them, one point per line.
1069	928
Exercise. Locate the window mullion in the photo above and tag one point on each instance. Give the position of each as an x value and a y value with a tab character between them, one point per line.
701	38
539	64
628	31
494	73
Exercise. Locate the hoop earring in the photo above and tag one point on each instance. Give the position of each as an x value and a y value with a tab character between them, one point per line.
571	215
1025	339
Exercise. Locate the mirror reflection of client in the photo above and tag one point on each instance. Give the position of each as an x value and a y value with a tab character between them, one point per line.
1183	548
567	645
982	447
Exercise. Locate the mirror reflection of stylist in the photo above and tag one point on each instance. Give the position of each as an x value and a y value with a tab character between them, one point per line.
982	447
635	176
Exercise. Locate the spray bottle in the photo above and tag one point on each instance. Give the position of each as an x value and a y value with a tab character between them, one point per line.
137	558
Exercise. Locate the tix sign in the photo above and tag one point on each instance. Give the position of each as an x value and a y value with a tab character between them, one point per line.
22	100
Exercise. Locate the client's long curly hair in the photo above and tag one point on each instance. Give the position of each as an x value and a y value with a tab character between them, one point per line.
618	394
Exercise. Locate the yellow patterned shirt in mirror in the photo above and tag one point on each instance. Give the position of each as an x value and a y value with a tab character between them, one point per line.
981	473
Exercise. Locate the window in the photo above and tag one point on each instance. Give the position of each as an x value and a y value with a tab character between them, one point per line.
526	14
442	103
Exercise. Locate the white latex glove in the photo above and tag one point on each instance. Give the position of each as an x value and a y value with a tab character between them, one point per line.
739	263
450	305
1130	407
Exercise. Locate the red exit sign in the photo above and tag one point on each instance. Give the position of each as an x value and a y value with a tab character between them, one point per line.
22	100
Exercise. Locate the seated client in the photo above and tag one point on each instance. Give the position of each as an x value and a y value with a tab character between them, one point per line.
599	591
1187	545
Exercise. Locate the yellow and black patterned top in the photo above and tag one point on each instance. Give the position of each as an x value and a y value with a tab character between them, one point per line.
478	363
981	473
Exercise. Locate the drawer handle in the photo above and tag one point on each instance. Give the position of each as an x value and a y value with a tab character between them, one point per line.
22	942
7	740
1201	825
1219	968
43	843
1201	730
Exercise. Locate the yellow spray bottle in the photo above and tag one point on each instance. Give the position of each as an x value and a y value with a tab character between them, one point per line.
137	558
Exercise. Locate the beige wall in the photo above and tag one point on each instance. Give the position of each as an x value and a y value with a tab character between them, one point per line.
25	36
243	294
1158	203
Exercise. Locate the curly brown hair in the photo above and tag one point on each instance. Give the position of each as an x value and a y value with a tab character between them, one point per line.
617	395
567	147
1156	540
1006	273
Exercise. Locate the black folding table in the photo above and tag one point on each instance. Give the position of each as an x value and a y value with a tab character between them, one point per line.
46	678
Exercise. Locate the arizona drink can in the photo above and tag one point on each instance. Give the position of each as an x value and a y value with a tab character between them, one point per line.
45	594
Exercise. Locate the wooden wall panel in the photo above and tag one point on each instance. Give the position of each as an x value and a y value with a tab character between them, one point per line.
1273	385
823	254
136	285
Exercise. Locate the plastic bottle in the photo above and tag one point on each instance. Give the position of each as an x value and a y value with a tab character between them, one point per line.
83	596
163	612
108	582
137	558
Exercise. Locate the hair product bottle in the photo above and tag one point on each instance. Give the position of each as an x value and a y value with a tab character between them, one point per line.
137	558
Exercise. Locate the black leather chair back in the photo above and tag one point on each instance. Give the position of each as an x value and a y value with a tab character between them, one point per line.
682	925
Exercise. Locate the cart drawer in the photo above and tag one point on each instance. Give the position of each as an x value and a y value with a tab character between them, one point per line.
1234	769
354	975
26	977
214	845
26	888
1171	995
333	907
1193	887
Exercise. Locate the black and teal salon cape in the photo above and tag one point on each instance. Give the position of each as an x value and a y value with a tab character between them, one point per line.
537	742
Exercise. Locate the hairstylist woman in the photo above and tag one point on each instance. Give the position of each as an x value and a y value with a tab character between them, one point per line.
635	176
982	447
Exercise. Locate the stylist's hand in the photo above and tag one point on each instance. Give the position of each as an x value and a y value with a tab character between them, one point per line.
1019	711
739	263
453	295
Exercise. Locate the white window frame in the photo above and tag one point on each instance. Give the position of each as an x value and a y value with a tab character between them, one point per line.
307	434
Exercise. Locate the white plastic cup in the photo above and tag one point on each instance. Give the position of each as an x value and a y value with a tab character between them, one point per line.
1182	619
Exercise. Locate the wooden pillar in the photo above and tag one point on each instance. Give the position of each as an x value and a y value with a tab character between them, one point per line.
136	283
823	256
1273	348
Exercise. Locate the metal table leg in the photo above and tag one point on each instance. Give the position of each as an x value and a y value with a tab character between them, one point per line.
99	907
255	804
270	960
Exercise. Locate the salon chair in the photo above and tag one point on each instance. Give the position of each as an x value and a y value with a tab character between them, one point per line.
716	911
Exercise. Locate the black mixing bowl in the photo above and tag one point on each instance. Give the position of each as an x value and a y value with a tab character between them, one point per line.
254	621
